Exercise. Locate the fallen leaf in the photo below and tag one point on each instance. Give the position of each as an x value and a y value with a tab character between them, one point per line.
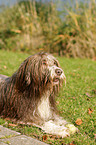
5	66
88	99
73	74
95	136
7	119
94	91
78	121
54	136
36	136
94	58
58	102
90	111
72	143
13	125
16	31
74	98
44	137
87	94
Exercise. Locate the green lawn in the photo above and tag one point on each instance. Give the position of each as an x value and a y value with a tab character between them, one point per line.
76	100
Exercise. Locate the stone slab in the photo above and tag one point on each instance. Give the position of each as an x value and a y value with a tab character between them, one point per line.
22	140
2	143
7	132
11	137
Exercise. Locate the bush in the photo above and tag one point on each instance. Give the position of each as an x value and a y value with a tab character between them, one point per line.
35	26
78	36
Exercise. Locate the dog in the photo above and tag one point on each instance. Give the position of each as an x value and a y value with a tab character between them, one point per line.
28	96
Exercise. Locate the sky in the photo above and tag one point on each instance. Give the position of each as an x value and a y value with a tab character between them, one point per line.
4	3
7	2
11	2
59	3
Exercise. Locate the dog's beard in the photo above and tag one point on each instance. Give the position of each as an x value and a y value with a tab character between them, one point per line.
57	80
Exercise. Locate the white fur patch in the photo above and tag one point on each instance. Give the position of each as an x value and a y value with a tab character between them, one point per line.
52	128
44	107
59	128
53	74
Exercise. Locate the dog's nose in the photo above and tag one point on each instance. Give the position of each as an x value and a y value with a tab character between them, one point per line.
58	72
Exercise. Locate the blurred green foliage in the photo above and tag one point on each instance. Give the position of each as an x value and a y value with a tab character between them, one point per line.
36	26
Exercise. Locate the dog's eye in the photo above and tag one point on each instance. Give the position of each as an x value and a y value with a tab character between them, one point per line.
55	63
44	62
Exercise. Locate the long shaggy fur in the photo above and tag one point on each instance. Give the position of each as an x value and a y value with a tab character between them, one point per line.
28	95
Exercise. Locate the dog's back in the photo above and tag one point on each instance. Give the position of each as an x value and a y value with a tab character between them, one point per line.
3	77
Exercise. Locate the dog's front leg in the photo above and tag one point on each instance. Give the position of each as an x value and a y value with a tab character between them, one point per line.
52	128
60	121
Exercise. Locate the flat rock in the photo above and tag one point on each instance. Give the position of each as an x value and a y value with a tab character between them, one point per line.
22	140
2	143
5	132
10	137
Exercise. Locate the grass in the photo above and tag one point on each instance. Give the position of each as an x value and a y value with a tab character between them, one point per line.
76	100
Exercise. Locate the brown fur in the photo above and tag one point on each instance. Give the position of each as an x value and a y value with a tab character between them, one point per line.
20	93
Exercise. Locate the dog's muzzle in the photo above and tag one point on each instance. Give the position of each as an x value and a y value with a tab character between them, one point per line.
57	74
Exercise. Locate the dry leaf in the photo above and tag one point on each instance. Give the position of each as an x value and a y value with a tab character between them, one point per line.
5	66
94	58
44	137
78	121
54	136
87	94
94	91
90	111
88	99
72	143
74	98
13	125
95	136
73	74
7	119
16	31
57	102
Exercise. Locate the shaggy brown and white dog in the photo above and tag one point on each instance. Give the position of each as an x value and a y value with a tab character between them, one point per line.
28	95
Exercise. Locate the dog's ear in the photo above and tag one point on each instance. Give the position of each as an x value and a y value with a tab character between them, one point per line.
23	76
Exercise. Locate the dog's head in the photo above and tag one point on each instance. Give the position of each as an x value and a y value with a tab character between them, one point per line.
51	65
40	69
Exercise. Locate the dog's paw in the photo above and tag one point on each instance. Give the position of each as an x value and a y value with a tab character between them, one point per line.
72	129
64	133
55	129
60	121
